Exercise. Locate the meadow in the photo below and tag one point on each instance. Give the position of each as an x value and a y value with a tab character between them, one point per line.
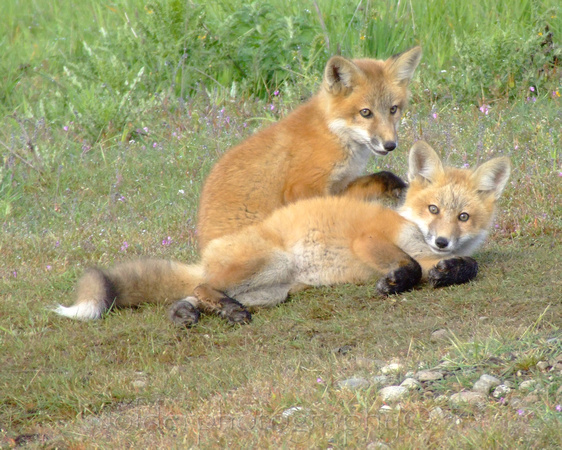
112	114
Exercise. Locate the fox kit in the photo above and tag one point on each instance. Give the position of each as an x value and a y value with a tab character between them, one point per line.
320	241
321	148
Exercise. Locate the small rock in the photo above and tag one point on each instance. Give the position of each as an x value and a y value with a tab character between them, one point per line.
343	350
290	411
353	383
468	398
411	384
385	408
527	386
393	393
530	399
139	384
516	403
377	445
440	335
380	380
493	381
501	391
441	399
436	413
409	374
392	368
543	366
482	386
429	375
364	362
509	384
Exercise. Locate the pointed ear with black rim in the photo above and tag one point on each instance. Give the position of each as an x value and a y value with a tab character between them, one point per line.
340	75
403	65
492	176
424	162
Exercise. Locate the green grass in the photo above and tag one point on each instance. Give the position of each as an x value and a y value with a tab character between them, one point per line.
89	179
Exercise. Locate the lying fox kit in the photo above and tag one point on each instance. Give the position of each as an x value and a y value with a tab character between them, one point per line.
321	241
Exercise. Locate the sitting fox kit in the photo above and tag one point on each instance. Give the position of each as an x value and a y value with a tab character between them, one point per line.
321	148
320	241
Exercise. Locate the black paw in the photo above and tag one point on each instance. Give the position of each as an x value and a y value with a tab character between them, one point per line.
394	186
183	313
234	311
453	271
400	280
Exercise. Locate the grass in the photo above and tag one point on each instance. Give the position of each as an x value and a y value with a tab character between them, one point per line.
79	189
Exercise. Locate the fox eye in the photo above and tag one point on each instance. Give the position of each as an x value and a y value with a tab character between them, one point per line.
366	113
463	217
393	109
434	209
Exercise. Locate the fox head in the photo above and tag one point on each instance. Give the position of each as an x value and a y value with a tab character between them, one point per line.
453	208
364	99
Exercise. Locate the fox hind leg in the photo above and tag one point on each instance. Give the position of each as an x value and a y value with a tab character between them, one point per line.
184	312
217	302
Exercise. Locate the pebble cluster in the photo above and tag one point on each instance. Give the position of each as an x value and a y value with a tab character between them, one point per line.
485	389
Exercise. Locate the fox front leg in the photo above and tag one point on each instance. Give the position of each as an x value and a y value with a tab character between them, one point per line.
451	271
401	279
376	185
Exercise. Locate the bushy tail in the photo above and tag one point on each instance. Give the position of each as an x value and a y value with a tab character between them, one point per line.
130	284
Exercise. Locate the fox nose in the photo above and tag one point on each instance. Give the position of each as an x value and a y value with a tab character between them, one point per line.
389	146
441	242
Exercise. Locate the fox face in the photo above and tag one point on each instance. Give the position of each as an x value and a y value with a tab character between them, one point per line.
366	98
452	208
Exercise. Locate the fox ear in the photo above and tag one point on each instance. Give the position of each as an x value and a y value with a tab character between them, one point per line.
492	176
340	74
423	162
403	65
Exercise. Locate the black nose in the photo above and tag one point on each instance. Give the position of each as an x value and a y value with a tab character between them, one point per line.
441	242
389	146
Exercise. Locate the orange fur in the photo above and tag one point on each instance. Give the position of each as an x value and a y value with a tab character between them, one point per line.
320	241
319	149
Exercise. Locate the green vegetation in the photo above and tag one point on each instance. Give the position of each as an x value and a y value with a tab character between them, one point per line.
113	113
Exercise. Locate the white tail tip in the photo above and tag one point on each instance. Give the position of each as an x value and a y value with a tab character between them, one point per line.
80	311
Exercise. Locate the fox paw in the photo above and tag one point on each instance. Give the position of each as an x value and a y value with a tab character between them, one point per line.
234	311
400	280
394	186
183	313
453	271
